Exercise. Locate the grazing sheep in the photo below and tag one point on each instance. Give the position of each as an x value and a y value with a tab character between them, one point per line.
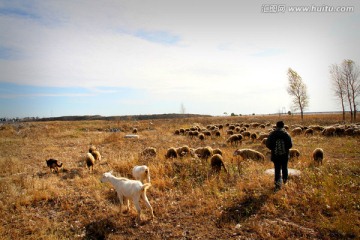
96	155
217	133
349	132
308	132
249	154
262	136
329	131
141	173
229	132
316	128
149	152
217	151
201	136
183	151
90	161
53	164
171	153
318	155
182	131
294	153
194	128
236	138
207	133
217	162
178	151
92	148
177	132
253	136
296	131
129	189
204	152
340	130
135	130
246	134
193	134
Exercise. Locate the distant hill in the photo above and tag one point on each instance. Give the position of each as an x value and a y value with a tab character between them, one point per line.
128	117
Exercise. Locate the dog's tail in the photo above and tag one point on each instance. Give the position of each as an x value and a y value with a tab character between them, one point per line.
145	187
59	165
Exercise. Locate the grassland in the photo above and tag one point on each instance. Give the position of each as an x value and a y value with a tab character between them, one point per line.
188	202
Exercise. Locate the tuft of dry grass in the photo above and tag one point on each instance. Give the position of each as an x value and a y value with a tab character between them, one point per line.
189	200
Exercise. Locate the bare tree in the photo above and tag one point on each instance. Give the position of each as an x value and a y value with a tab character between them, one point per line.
297	89
351	73
339	85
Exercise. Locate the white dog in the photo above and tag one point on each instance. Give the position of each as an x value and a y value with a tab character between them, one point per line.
129	189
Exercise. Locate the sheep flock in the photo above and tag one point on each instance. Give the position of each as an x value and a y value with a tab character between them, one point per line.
214	148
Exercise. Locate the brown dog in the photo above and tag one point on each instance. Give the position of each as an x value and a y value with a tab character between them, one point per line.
53	164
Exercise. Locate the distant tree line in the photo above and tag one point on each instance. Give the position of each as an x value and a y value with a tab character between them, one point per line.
112	118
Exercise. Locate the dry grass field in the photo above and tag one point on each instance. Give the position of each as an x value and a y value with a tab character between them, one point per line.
189	201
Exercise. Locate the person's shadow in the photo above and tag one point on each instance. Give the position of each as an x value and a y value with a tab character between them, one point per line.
99	229
240	211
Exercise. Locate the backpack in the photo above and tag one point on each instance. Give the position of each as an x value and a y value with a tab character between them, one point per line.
279	149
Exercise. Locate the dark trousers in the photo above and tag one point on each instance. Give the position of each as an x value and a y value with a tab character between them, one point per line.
281	166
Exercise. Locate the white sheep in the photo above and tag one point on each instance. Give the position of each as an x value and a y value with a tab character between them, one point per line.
262	136
96	155
249	154
149	152
129	189
308	132
183	151
141	173
318	155
329	131
235	138
171	153
296	131
246	134
90	161
204	152
217	162
217	151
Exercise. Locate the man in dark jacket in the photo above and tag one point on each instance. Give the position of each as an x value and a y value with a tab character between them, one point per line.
279	142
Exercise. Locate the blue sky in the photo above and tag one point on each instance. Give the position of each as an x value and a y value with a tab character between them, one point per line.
117	57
